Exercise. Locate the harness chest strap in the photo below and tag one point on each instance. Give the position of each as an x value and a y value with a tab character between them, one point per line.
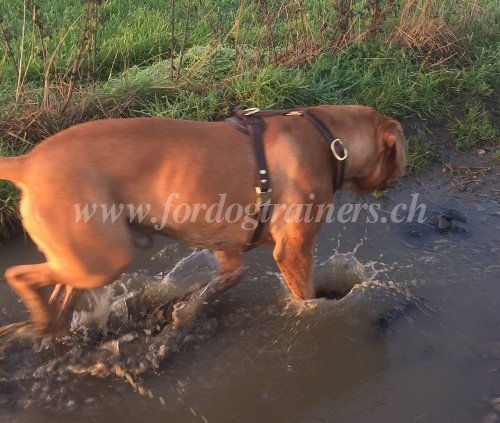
256	126
251	122
336	145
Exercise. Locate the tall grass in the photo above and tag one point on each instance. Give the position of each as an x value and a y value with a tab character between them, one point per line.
98	38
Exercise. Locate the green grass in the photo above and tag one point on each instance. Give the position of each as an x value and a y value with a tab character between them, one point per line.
379	195
474	128
9	196
420	153
387	78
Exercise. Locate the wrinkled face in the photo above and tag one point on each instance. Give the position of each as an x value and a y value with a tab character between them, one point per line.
389	161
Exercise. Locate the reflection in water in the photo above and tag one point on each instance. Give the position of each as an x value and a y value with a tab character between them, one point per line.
255	355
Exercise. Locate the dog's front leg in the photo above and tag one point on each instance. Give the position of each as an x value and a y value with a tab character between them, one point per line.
293	254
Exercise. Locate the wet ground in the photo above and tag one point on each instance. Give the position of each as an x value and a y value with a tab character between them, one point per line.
416	340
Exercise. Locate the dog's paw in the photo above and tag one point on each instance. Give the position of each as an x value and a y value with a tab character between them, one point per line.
22	330
185	312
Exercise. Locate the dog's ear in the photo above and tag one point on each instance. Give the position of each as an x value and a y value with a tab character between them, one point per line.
393	137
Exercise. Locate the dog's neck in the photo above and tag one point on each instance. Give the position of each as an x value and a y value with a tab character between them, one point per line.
359	154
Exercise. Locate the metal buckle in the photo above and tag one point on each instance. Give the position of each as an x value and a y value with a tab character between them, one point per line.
263	197
334	151
250	111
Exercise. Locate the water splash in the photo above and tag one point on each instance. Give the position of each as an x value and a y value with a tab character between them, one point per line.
126	330
360	289
123	329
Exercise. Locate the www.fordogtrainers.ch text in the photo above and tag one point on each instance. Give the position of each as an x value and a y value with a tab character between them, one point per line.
173	211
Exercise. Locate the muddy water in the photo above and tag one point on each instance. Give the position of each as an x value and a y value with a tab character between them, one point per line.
254	356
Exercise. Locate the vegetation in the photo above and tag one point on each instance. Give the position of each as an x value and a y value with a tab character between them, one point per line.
420	153
8	195
63	62
474	127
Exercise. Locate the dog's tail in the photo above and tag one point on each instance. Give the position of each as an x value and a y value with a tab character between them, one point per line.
11	168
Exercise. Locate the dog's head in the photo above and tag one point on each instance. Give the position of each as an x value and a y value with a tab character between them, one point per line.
390	136
387	161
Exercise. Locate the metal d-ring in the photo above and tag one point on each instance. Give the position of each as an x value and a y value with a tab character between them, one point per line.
334	151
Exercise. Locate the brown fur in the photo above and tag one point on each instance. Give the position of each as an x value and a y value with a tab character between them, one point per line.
142	161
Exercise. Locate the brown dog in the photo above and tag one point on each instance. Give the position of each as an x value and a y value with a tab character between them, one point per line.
143	161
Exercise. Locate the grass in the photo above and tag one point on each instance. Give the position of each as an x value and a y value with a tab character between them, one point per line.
9	196
66	62
420	153
474	128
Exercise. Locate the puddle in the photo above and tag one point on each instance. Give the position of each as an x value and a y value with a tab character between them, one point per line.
412	335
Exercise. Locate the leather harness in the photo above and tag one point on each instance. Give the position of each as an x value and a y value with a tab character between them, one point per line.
252	122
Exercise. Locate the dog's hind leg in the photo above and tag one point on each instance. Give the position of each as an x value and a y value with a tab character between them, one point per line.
26	281
230	266
63	301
